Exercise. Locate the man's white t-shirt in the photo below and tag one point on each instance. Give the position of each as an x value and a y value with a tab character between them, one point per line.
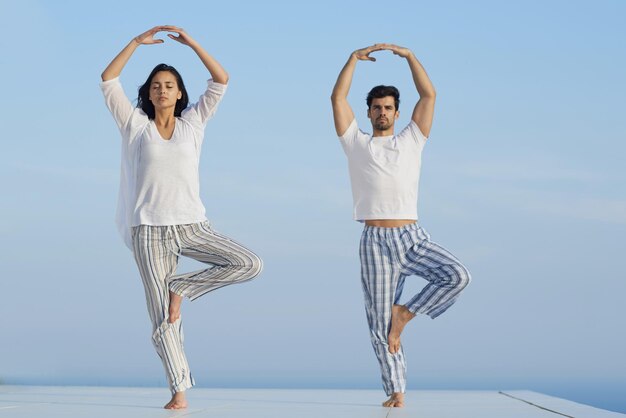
159	182
384	172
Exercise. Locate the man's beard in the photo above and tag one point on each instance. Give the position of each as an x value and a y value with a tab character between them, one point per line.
381	126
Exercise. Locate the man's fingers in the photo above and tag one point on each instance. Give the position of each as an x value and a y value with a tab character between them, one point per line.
365	57
171	27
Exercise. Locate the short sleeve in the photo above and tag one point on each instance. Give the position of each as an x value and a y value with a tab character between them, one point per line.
200	112
414	131
350	135
117	102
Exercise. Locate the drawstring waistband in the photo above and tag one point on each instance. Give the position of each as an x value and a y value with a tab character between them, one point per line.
170	234
173	233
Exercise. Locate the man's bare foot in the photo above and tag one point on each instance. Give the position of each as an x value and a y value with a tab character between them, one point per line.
174	309
396	400
400	316
178	401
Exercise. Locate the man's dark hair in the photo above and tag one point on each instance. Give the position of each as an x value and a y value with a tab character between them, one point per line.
381	91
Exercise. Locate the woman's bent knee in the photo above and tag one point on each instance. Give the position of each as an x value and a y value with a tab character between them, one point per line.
254	266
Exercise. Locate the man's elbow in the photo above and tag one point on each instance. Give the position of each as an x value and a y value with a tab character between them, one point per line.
337	99
430	93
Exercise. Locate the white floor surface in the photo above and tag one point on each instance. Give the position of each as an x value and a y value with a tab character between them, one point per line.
116	402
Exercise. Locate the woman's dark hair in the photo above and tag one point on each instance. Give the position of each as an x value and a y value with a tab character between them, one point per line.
143	99
381	91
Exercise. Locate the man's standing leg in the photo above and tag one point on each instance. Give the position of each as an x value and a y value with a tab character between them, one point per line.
380	276
388	256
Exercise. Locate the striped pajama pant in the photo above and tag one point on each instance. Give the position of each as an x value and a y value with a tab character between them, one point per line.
388	256
156	250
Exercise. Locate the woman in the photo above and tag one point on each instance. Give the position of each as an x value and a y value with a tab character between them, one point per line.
160	214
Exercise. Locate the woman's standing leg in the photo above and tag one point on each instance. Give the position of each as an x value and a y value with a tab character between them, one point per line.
156	256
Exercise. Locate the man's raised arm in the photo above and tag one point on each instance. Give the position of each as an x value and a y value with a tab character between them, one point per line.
425	107
342	112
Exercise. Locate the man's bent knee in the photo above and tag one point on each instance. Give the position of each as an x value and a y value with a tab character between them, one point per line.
463	276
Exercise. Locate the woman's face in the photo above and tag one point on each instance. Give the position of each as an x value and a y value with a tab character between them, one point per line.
164	90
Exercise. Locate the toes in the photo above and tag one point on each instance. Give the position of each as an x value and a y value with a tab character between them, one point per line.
394	346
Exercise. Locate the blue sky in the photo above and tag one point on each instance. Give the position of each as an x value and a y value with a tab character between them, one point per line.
523	179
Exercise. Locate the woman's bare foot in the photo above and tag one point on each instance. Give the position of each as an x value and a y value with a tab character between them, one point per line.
400	316
178	401
396	400
174	309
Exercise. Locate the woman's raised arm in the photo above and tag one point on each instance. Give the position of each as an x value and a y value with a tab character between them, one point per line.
218	74
116	66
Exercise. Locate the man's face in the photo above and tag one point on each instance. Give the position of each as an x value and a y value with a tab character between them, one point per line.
383	113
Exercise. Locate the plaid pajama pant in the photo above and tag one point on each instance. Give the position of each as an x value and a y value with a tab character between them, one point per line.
156	250
388	256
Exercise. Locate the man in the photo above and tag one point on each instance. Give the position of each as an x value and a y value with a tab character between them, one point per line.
384	173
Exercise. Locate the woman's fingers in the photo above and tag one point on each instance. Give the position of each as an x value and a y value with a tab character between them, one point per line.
178	38
148	36
170	28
